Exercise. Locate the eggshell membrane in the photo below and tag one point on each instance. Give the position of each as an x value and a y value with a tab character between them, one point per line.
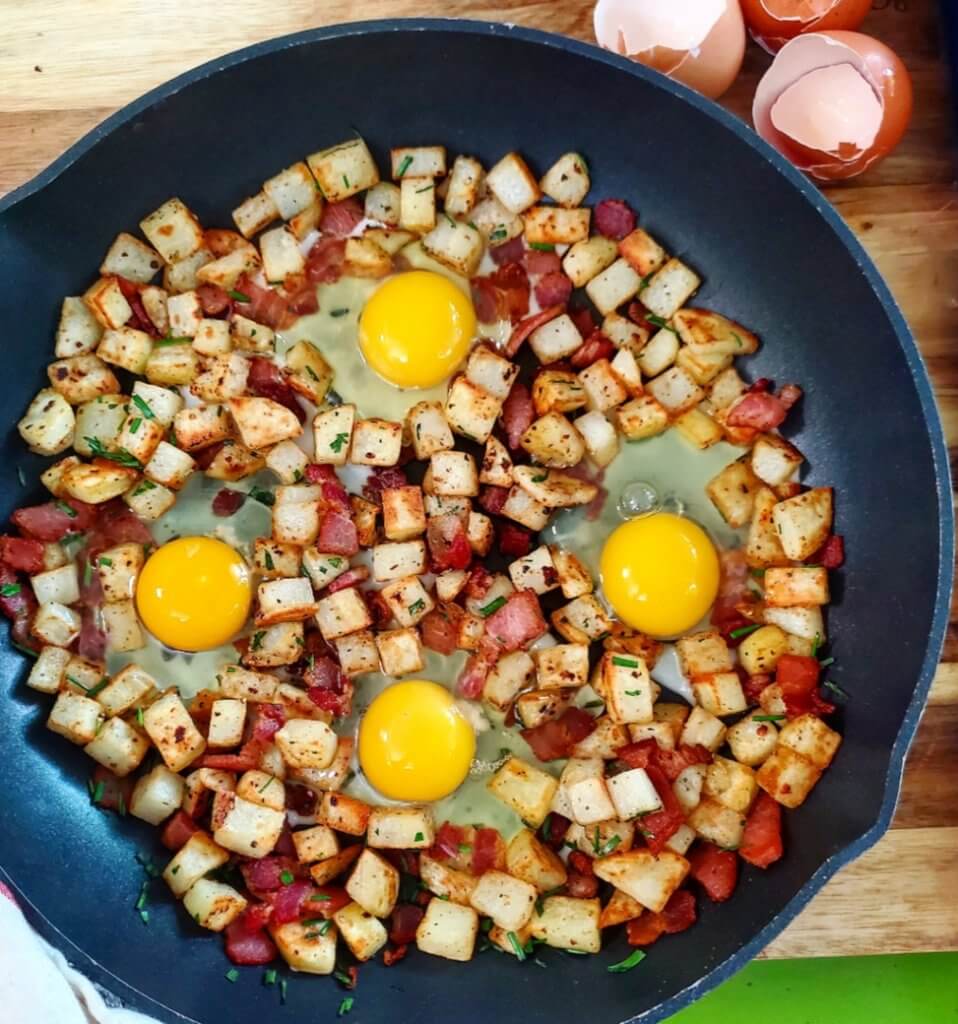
880	68
773	22
698	42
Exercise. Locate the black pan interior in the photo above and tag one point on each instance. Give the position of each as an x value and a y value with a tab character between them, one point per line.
769	257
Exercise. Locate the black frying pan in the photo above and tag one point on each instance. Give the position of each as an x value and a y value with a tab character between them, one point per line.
775	256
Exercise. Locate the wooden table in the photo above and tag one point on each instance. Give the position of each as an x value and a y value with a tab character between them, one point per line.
66	66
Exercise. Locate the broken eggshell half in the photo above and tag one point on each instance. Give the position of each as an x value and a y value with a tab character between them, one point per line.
698	42
773	22
834	103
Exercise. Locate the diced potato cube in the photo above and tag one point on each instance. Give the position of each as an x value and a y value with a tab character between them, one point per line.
56	624
462	190
341	613
688	786
553	441
511	674
46	675
605	740
399	651
624	684
75	717
731	784
775	460
704	728
470	410
524	509
382	204
806	623
213	905
307	744
374	884
599	437
78	330
660	352
733	493
582	619
567	180
642	252
417	204
698	428
198	856
125	347
613	287
118	747
513	184
720	693
809	736
227	719
574	577
169	725
454	474
751	741
555	225
538	706
448	930
557	391
315	843
647	878
244	827
533	862
292	190
670	287
173	230
78	379
262	422
429	429
633	794
556	339
456	244
561	666
332	431
408	600
47	427
361	931
584	786
156	795
717	823
57	585
524	788
642	417
400	828
376	442
569	923
106	301
508	901
343	170
535	571
799	585
675	390
788	776
305	947
804	522
254	214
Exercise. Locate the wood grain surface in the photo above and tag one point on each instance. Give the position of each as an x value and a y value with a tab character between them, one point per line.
64	66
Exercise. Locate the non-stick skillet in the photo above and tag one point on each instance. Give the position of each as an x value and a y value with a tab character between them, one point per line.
775	256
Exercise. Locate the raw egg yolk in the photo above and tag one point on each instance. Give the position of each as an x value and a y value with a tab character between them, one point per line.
416	328
414	743
193	594
660	573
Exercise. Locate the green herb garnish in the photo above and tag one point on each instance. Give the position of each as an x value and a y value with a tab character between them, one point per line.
404	166
609	845
103	560
835	688
624	662
163	342
633	693
346	182
767	718
257	640
96	791
66	509
540	478
144	408
744	630
816	644
417	606
135	424
632	960
338	312
659	321
264	497
269	977
542	246
494	605
825	662
338	441
232	974
10	590
345	1006
425	188
516	946
418	838
268	560
121	457
238	296
498	234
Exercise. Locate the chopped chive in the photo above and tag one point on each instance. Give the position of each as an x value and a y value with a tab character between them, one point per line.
121	457
139	717
319	897
767	718
232	974
540	478
324	927
494	605
659	321
145	916
345	1006
516	946
144	408
286	877
610	845
269	977
417	606
594	704
21	477
465	847
164	342
87	572
103	560
633	693
816	644
632	960
645	281
264	787
595	841
425	188
498	234
418	838
346	182
143	487
96	793
624	662
757	573
10	589
835	688
135	424
312	372
542	246
257	640
738	340
335	562
338	312
263	496
825	662
338	441
452	223
404	166
283	988
238	296
66	509
24	650
744	630
344	979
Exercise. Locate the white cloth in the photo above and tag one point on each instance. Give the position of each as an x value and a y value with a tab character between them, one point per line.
38	986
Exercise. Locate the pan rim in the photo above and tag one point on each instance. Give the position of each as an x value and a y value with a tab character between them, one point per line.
821	206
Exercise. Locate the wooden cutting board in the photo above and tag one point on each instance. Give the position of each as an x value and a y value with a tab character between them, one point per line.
65	67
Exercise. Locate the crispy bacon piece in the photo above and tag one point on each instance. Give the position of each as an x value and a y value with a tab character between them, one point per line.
337	534
479	582
543	263
227	502
517	623
762	839
440	628
248	948
92	641
613	218
553	289
670	762
583	319
502	295
509	252
265	305
798	676
553	830
385	478
752	686
514	540
393	956
525	327
488	851
301	295
831	554
265	875
350	578
403	922
117	524
328	687
18	607
339	220
492	498
53	520
22	553
324	262
448	542
553	740
596	346
716	870
472	678
177	831
676	916
733	592
301	800
213	299
113	793
267	380
517	413
448	840
139	319
659	826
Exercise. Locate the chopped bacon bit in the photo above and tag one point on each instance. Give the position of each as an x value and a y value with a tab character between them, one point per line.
676	916
403	922
831	554
51	520
266	874
387	478
448	840
301	800
117	524
448	542
248	948
479	582
393	956
752	686
19	608
596	346
757	410
472	678
267	380
613	218
733	592
227	502
325	674
114	793
22	553
581	862
340	220
91	644
488	851
139	319
502	295
645	929
336	898
554	830
659	826
324	263
265	305
797	677
303	299
553	740
337	534
514	541
716	870
542	264
517	413
517	623
525	327
351	578
670	762
177	830
492	498
553	289
509	252
762	838
289	901
583	319
213	299
440	628
378	608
